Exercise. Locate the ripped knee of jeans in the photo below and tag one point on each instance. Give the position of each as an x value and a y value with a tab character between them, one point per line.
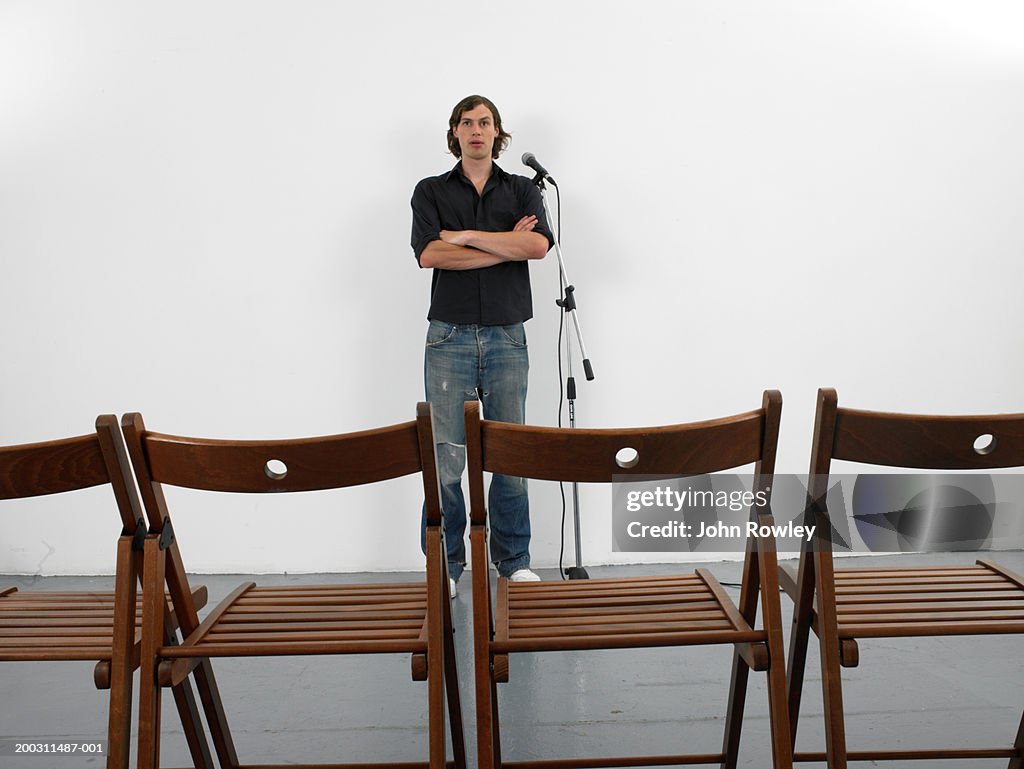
451	459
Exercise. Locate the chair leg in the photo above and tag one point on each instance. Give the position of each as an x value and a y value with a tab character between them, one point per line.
734	710
209	694
188	714
488	740
451	678
831	680
803	611
487	723
153	608
832	696
435	676
495	725
188	710
778	712
435	718
795	669
155	630
484	711
119	722
195	736
740	671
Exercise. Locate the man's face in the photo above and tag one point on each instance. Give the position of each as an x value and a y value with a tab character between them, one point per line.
476	133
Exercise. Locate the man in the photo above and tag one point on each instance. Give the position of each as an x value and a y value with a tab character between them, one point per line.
477	227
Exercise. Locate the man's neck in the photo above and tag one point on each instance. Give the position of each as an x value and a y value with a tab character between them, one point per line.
477	171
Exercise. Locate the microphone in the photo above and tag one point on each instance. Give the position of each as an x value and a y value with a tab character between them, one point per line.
529	159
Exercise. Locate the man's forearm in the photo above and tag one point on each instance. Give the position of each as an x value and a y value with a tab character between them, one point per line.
447	256
510	246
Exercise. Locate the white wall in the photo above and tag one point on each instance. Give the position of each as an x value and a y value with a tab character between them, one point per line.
204	216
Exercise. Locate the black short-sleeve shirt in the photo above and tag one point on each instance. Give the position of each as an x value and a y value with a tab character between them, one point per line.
491	296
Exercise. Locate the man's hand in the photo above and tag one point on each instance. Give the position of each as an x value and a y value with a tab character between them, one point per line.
526	224
455	237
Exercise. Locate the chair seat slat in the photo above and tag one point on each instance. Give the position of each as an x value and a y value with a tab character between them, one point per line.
50	599
294	648
59	621
551	631
55	654
386	589
242	611
933	587
57	631
968	607
273	637
905	570
986	595
631	641
294	627
909	629
913	580
978	617
355	600
526	591
353	614
598	584
568	610
624	619
523	603
70	641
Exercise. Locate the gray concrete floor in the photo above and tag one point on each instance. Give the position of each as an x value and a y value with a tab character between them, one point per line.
906	692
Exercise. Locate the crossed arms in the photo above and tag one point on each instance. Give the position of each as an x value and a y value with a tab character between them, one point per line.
470	249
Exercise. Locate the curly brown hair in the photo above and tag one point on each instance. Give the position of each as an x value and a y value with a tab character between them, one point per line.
472	102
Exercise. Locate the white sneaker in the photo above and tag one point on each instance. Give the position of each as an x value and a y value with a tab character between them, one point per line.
523	575
452	590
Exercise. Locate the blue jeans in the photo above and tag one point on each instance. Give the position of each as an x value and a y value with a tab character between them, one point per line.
489	363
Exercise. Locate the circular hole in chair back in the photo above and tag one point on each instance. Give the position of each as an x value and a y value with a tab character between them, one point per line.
985	444
627	457
275	469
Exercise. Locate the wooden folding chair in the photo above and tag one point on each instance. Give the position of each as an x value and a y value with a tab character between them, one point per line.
102	626
627	613
284	621
843	605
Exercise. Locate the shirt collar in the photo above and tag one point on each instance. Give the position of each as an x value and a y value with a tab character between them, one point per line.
456	173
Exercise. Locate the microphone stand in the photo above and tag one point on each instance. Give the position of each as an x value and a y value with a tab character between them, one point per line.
567	302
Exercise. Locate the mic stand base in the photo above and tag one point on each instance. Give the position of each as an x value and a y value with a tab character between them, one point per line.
577	572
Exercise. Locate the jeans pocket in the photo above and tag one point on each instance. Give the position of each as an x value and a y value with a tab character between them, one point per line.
515	334
439	332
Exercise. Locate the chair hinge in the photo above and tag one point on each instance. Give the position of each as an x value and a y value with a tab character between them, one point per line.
166	535
138	536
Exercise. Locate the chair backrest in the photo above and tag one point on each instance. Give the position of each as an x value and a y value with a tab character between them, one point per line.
593	455
914	441
70	464
910	441
306	464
